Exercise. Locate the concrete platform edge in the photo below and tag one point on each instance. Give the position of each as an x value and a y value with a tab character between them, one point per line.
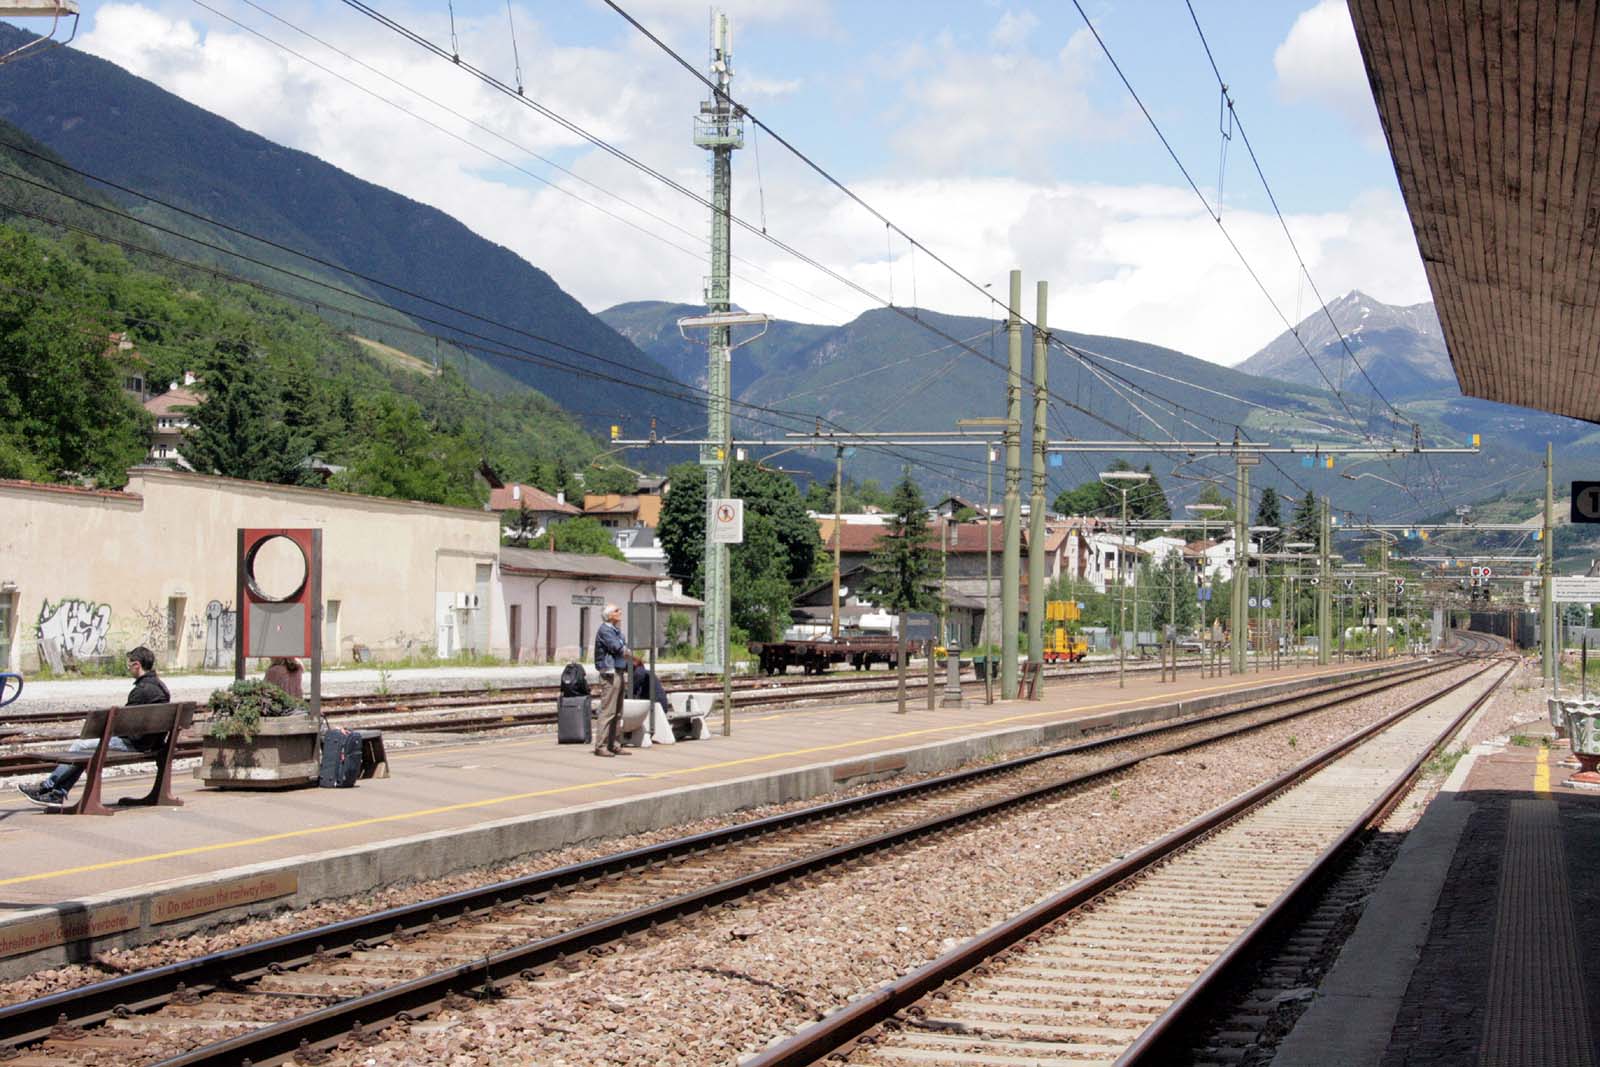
347	872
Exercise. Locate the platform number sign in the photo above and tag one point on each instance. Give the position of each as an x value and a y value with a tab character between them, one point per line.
1586	501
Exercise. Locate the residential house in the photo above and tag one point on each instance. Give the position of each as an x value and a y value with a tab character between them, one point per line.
640	547
172	410
623	510
546	510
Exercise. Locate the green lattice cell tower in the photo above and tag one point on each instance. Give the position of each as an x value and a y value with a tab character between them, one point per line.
718	128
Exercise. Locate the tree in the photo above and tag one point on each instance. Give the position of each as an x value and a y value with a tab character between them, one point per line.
904	565
1306	524
760	594
1148	500
1269	513
520	525
239	429
405	459
609	478
682	530
1217	524
1170	591
583	535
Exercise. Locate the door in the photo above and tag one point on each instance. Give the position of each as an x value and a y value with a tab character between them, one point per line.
550	633
7	614
480	616
516	633
583	635
175	613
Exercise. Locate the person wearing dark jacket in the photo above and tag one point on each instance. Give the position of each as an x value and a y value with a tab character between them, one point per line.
646	686
611	660
147	689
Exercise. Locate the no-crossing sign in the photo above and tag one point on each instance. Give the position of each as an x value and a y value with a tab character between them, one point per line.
727	521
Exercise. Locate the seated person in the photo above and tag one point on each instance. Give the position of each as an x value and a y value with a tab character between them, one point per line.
646	686
147	689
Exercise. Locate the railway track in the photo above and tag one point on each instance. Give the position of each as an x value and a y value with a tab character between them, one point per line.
259	1002
511	708
1123	965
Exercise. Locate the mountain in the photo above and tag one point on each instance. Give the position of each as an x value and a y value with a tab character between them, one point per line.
109	123
896	369
1401	350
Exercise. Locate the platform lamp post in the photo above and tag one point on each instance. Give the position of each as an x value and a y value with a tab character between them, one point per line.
1261	602
989	422
1122	481
1302	551
1205	512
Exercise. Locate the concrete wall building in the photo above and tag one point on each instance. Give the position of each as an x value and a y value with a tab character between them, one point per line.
554	602
97	572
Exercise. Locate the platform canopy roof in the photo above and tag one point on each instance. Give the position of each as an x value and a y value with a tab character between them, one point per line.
1492	112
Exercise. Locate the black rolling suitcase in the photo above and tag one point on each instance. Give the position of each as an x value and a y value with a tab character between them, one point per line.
341	759
573	725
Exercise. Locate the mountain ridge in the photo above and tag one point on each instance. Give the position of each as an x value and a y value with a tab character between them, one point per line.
156	142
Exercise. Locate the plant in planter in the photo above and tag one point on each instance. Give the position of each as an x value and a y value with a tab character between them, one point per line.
237	711
259	738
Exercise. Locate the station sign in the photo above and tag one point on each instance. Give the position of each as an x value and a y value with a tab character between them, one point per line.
1576	590
587	600
1586	501
920	625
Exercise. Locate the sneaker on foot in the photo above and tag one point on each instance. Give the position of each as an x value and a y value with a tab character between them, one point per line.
604	752
620	752
43	794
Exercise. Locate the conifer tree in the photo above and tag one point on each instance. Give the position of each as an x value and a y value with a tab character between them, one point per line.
905	563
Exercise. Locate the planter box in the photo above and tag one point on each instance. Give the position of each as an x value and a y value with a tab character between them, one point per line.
284	754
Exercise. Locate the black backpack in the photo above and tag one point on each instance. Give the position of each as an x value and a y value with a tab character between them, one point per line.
574	682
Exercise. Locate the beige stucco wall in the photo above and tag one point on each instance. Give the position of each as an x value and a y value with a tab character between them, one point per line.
393	567
535	595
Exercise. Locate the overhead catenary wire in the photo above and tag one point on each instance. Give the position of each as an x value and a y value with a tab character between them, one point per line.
696	253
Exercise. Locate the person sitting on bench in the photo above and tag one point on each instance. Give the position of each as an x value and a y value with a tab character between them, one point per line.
646	686
147	689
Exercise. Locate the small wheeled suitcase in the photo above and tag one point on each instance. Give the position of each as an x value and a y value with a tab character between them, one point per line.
341	759
573	726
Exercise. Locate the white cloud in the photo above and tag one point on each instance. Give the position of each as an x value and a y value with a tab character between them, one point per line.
959	110
1013	29
1144	262
1319	61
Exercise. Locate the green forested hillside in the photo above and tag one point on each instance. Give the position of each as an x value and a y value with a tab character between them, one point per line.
515	321
281	385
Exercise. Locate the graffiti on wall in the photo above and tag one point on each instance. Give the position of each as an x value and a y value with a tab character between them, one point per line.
222	623
153	626
75	628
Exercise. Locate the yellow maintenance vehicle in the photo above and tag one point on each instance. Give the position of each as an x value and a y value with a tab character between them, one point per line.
1062	641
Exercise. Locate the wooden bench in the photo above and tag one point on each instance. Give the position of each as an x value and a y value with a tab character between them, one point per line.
106	723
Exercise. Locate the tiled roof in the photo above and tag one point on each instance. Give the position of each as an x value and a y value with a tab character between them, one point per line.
575	564
169	402
506	499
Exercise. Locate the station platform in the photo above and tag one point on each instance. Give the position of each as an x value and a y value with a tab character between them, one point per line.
73	885
1471	950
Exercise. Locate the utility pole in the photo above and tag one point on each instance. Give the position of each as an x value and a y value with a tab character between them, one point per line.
1041	337
1010	556
1547	604
838	529
1240	617
1325	590
1385	583
719	128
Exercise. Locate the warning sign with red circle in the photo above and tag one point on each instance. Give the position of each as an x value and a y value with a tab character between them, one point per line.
727	521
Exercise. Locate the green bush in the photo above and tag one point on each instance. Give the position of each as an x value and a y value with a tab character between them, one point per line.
237	711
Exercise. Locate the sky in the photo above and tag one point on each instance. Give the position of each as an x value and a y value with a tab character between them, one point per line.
995	135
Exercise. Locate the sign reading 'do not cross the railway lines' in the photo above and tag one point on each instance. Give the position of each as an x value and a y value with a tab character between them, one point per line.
727	520
1586	501
1576	590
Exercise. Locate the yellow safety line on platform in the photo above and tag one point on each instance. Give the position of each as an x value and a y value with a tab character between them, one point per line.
1541	772
468	805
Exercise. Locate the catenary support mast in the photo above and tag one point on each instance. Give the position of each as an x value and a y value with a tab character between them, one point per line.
719	128
1041	341
1011	553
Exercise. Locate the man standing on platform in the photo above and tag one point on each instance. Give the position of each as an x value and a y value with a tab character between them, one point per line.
612	661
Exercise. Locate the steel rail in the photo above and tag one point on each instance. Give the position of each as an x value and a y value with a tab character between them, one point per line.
142	991
861	1015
